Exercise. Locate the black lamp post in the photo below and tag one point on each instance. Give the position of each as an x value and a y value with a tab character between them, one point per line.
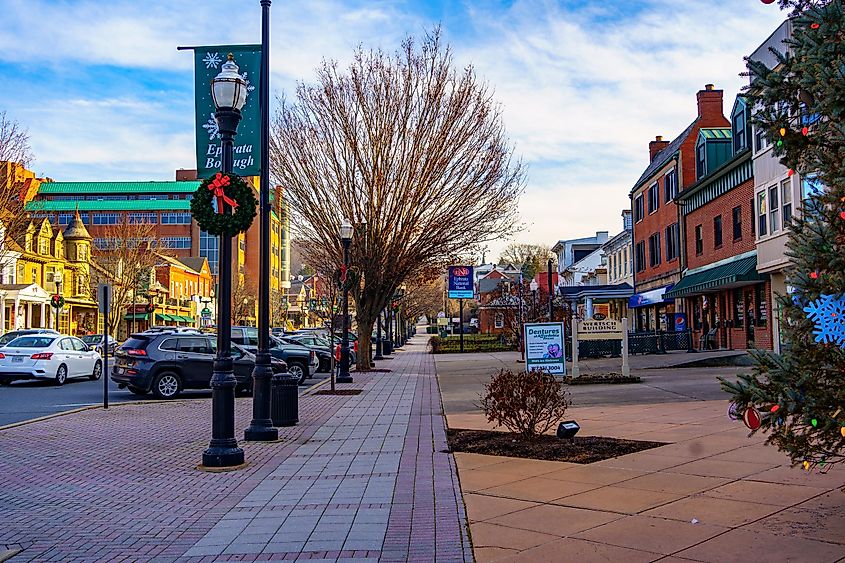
229	92
261	426
346	238
379	347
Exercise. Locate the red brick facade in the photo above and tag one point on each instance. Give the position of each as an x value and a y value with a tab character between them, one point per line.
723	206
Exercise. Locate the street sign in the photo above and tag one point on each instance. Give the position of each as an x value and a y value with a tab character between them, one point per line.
544	347
206	313
104	297
461	284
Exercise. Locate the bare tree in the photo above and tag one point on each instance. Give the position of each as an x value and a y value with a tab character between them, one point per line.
128	263
244	294
531	258
15	152
423	295
412	151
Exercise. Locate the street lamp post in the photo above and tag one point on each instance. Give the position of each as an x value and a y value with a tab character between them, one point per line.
346	238
379	347
228	89
534	287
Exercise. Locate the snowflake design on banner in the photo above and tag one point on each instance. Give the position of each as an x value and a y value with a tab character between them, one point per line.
828	314
212	60
249	87
211	127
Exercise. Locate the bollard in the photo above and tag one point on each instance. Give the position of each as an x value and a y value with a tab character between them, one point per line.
284	400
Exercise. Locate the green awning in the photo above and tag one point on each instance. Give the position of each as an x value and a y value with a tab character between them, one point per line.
164	317
733	274
136	316
187	319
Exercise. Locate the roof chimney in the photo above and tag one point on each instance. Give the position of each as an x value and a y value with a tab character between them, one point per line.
655	146
710	103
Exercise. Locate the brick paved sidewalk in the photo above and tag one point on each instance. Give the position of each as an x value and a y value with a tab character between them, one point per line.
356	480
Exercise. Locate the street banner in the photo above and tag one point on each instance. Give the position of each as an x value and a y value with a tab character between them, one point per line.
461	284
207	63
544	347
594	329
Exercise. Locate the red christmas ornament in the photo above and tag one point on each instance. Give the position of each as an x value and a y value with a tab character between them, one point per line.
842	214
814	275
767	1
751	418
805	131
775	408
790	172
814	26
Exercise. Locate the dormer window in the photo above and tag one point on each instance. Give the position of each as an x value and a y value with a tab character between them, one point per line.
42	246
740	126
700	159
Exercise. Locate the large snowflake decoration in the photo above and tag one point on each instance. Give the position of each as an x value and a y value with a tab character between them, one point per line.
211	128
249	87
828	314
212	60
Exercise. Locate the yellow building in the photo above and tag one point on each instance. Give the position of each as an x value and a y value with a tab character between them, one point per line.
51	262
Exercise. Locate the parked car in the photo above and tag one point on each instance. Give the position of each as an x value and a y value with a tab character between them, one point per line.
96	341
168	362
12	334
299	359
48	356
320	347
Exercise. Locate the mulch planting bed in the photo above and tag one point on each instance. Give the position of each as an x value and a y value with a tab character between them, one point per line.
601	378
339	392
587	449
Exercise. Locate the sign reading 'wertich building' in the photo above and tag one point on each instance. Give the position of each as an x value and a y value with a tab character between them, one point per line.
247	146
606	329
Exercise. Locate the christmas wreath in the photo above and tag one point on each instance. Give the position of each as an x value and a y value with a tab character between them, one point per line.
224	189
57	301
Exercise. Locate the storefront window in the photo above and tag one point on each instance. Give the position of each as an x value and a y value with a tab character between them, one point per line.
762	305
739	309
696	314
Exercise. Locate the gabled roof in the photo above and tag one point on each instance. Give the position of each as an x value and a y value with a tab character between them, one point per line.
663	156
194	262
73	188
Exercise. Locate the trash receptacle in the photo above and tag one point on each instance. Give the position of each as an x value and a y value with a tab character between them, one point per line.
284	400
386	347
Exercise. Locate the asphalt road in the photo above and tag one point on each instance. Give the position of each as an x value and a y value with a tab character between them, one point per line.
24	400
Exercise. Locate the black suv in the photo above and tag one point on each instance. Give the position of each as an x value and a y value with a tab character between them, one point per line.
167	362
300	360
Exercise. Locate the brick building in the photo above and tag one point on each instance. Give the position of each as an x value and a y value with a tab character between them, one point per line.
724	298
656	231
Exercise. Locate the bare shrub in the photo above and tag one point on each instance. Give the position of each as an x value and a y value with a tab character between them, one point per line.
527	403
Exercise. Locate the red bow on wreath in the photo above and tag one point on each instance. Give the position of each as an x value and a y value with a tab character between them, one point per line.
217	186
343	270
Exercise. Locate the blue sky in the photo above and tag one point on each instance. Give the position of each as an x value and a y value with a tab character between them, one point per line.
584	85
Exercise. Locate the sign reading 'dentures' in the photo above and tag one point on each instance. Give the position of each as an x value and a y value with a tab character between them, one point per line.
544	347
461	284
594	329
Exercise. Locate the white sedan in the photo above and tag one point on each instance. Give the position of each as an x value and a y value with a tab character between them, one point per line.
48	356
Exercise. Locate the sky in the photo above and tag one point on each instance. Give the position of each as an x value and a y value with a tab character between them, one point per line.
584	85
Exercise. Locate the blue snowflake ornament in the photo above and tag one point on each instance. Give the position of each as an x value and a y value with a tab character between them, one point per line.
828	314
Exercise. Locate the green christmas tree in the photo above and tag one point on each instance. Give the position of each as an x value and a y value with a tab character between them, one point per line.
800	105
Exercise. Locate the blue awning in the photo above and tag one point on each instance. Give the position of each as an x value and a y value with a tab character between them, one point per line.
651	297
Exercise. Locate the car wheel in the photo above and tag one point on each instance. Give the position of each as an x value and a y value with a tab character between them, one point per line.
136	390
98	371
297	370
61	375
166	385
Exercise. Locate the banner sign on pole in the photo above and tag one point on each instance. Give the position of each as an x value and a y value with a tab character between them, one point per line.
593	329
207	64
461	284
544	347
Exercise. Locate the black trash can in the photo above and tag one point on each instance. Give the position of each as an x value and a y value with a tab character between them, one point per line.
386	347
284	400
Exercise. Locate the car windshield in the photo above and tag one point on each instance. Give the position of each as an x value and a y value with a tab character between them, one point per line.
31	342
92	339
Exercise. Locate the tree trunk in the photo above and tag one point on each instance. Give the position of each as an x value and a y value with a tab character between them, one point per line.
365	331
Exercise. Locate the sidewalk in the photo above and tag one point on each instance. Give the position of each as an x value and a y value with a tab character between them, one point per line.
713	494
361	478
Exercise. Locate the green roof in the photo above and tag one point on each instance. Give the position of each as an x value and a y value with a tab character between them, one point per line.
71	188
733	274
715	133
112	205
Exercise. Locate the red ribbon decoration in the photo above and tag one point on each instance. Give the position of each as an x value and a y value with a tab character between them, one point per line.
343	270
217	186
